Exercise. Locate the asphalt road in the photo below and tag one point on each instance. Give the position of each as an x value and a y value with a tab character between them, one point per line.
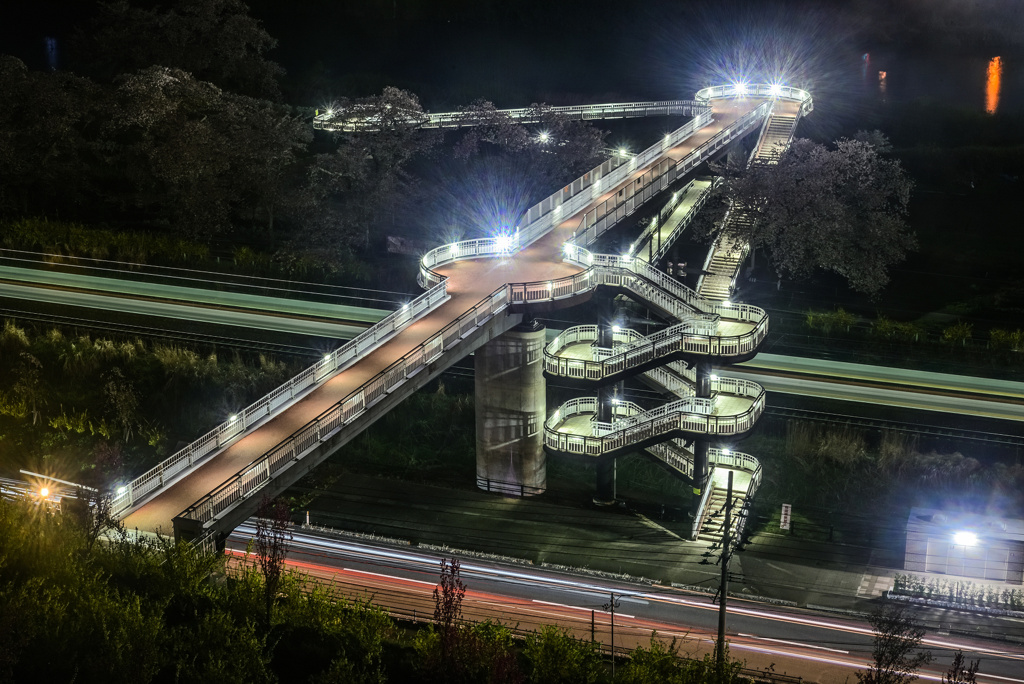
796	642
963	395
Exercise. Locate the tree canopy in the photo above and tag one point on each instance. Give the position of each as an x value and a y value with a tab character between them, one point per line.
840	209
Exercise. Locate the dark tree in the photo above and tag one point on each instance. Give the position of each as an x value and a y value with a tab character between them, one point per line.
273	534
45	123
896	655
214	40
840	210
448	608
961	671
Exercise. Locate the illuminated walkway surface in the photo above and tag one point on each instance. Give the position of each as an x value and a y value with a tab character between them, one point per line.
469	282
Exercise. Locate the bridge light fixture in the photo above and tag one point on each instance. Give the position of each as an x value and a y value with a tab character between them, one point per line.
623	152
44	492
233	418
616	328
726	451
330	112
964	538
121	490
775	90
503	243
544	137
739	88
727	304
714	378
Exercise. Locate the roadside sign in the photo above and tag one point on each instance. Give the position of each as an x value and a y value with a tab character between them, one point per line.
786	511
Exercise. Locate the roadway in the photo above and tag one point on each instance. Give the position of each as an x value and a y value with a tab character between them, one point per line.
879	385
797	642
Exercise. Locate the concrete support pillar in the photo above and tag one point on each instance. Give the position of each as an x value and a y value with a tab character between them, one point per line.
605	494
511	405
700	446
736	154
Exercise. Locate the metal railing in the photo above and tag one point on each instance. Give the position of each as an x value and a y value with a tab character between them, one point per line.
551	211
645	425
608	213
624	271
655	253
337	121
238	424
758	90
682	338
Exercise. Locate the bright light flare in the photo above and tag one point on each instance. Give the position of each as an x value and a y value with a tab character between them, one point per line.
739	88
503	243
775	90
623	152
121	490
44	492
965	539
544	137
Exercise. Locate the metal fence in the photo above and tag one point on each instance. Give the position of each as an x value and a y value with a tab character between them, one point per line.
238	424
690	415
351	120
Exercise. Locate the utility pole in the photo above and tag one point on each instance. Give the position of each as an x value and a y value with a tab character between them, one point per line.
723	587
611	606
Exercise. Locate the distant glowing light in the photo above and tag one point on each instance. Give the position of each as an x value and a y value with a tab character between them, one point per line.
327	356
994	84
616	328
44	492
544	136
122	489
330	112
233	418
881	81
965	539
714	378
727	452
623	152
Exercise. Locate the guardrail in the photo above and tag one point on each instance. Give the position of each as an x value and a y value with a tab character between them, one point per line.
657	253
682	338
342	413
702	505
643	426
758	90
534	114
547	213
741	312
605	215
201	449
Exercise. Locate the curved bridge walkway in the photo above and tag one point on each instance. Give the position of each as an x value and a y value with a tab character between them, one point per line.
215	483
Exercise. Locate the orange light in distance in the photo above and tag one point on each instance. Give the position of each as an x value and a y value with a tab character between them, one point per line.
993	84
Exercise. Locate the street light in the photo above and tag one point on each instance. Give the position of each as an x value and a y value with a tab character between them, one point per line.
44	492
775	90
544	137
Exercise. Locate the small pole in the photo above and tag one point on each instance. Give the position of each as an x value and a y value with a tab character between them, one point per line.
723	589
591	626
611	607
307	518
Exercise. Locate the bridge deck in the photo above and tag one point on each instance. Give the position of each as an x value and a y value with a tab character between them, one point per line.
469	282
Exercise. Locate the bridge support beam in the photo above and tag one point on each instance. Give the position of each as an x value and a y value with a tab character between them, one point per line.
511	405
606	476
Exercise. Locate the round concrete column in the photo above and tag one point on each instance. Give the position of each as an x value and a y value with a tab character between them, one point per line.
511	405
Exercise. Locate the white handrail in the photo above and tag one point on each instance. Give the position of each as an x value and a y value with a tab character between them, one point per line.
200	450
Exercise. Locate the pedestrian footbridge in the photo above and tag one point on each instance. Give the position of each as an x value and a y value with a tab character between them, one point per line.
476	290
